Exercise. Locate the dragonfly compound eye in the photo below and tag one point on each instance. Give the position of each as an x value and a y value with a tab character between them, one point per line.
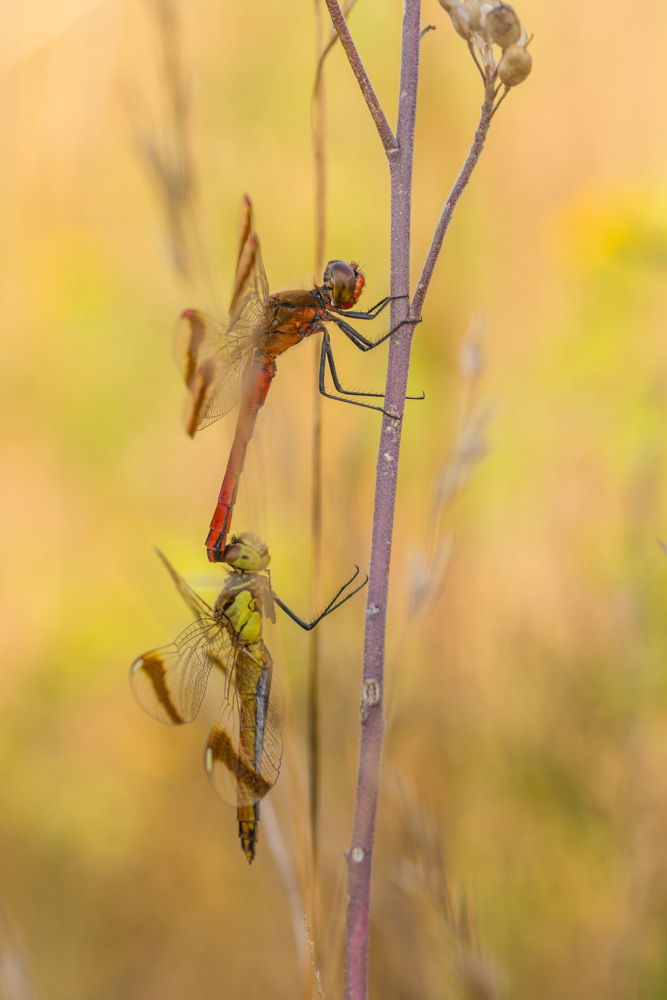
232	553
345	283
246	552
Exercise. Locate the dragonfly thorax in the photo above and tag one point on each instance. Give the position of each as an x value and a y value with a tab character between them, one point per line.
244	593
240	615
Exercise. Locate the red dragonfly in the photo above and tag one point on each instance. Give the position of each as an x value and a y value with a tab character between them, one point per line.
225	364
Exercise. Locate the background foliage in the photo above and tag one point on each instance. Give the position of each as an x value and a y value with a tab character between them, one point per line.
527	712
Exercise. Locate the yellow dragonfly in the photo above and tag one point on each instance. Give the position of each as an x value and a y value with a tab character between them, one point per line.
244	748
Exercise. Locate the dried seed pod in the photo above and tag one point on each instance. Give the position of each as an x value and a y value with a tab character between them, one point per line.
474	10
503	26
515	65
459	16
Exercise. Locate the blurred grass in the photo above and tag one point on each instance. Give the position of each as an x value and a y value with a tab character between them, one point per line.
530	704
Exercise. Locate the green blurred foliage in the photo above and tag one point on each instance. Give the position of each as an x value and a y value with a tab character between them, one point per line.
527	707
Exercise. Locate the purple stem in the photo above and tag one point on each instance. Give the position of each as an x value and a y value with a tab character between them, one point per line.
400	154
454	195
360	855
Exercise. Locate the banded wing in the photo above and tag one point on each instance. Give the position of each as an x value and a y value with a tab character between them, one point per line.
213	356
250	284
245	746
169	683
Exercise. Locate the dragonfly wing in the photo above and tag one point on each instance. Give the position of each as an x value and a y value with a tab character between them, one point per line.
250	278
215	387
169	683
196	337
215	378
199	607
245	746
213	356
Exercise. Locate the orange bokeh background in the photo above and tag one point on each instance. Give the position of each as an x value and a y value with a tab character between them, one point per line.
527	706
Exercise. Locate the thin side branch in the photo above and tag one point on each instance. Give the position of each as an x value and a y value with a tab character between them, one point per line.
457	190
381	123
329	45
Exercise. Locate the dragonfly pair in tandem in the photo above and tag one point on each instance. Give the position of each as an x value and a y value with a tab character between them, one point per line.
223	366
235	363
244	747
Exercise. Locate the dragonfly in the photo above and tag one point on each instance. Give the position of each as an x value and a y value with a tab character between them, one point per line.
226	364
244	748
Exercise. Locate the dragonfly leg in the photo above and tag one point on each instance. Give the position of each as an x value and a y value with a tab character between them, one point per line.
363	343
326	357
376	309
333	604
326	347
326	350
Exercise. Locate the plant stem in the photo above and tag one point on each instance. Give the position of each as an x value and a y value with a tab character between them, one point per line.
400	154
382	125
457	190
319	158
359	858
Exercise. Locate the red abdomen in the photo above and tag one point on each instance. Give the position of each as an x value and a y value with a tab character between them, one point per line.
257	380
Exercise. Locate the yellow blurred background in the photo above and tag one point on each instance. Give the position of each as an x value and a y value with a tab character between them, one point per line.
526	749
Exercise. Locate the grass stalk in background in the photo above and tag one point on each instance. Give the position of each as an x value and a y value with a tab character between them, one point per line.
319	110
399	149
17	978
319	128
165	147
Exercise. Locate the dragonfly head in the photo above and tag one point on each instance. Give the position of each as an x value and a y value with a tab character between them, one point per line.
246	553
343	283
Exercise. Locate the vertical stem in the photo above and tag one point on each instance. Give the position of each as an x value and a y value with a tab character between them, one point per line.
359	858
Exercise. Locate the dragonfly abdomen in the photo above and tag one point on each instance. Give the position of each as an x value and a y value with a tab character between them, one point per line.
248	817
257	380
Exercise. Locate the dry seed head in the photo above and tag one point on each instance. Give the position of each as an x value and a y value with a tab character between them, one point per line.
515	65
459	16
474	11
503	26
